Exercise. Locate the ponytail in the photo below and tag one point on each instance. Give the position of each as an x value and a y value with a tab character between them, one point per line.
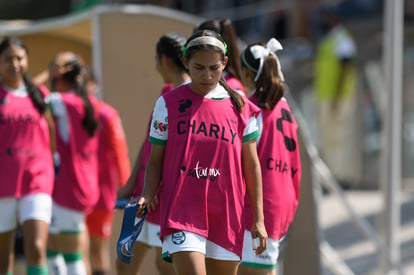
72	76
268	76
235	96
269	86
89	122
35	95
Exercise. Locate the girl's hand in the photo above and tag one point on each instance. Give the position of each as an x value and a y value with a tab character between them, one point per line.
143	202
127	190
259	233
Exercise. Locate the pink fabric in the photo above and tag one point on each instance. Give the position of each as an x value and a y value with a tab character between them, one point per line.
114	166
25	157
234	83
152	216
202	186
278	152
76	186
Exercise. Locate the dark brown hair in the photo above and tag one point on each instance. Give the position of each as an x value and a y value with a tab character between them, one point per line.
226	29
34	92
269	86
72	76
171	45
235	96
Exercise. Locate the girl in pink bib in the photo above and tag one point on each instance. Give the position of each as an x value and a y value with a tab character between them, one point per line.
203	161
278	152
26	170
76	187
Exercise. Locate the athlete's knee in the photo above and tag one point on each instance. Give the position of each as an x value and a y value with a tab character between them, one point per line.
35	250
164	267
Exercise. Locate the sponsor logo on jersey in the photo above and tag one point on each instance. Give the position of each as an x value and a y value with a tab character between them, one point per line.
203	172
184	104
160	126
281	166
207	129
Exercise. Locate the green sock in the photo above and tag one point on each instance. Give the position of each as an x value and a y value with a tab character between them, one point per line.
72	257
52	253
74	263
37	270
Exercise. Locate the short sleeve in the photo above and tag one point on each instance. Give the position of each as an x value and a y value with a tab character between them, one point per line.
59	111
260	126
159	123
251	131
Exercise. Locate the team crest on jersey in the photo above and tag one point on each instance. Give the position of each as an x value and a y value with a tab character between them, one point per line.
178	238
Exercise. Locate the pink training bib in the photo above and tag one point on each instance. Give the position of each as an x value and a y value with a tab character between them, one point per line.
278	152
202	188
25	153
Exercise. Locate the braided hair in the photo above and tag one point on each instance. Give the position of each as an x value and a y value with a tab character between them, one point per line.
171	45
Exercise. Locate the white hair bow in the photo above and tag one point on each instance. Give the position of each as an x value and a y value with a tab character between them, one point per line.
260	52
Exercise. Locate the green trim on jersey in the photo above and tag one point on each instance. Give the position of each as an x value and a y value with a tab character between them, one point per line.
157	141
251	136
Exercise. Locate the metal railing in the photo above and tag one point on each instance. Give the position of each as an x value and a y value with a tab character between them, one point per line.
329	182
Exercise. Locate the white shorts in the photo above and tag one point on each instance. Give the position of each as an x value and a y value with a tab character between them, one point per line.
31	207
65	220
188	241
150	234
268	259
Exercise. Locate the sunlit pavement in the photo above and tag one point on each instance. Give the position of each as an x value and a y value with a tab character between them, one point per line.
358	252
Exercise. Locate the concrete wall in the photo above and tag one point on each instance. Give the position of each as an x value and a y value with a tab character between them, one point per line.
129	79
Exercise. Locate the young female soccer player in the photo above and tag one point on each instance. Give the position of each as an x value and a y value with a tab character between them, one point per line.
278	151
76	187
26	169
203	159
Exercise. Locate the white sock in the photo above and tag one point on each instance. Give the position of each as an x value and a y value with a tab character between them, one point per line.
76	268
75	264
56	265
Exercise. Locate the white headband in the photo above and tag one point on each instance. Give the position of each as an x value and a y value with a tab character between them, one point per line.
207	40
260	52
